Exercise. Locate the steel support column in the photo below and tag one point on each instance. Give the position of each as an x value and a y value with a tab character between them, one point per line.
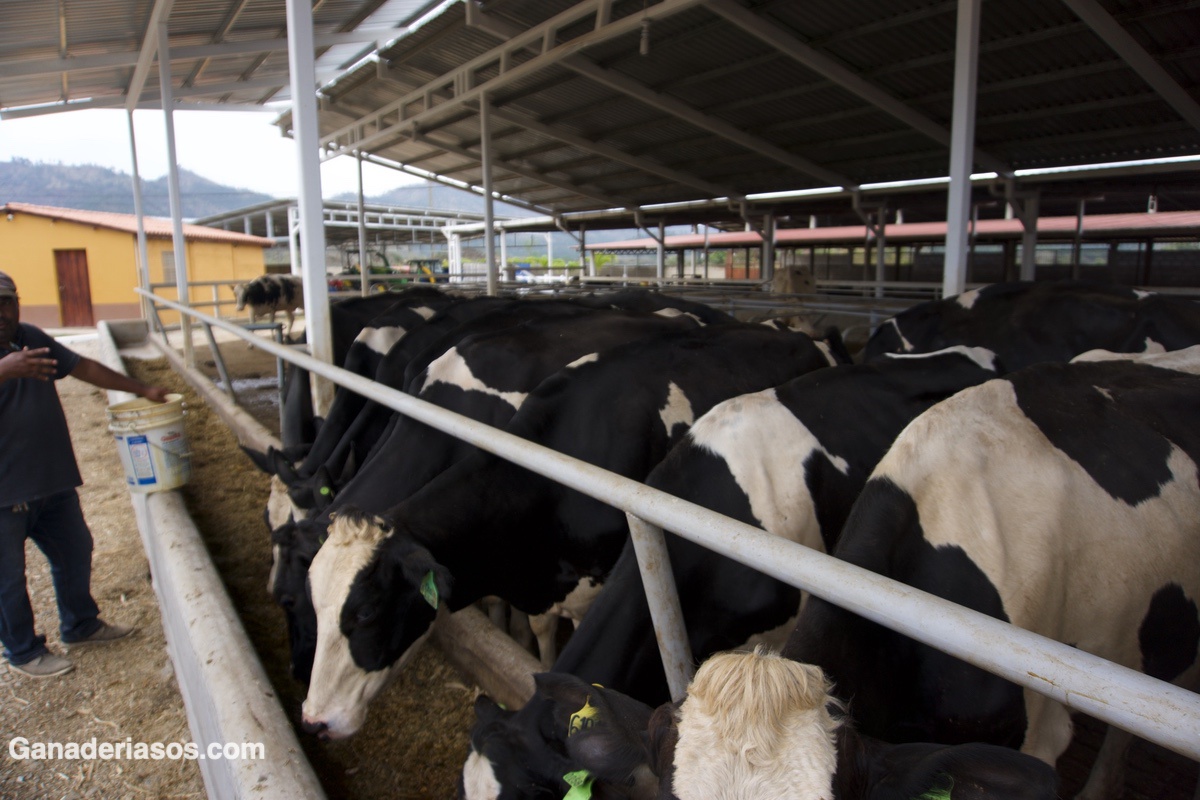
143	256
180	244
364	266
489	242
962	145
302	71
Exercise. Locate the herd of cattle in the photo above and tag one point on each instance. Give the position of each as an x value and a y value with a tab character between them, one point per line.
1028	450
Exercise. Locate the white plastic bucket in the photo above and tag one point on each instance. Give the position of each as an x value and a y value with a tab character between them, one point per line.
152	443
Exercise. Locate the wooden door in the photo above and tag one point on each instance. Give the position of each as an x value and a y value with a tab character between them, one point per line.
74	288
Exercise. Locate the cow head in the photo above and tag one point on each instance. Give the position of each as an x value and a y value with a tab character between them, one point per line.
760	717
239	294
568	728
375	591
514	754
295	545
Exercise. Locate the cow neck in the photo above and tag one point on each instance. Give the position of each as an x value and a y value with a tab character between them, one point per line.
855	755
478	518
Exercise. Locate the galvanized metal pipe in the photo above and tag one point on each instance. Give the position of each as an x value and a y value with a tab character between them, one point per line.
1152	709
658	580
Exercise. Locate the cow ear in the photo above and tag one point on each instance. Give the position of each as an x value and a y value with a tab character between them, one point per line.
422	570
571	697
281	466
259	459
488	710
323	491
662	734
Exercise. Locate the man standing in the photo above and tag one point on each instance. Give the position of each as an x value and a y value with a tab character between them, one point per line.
38	477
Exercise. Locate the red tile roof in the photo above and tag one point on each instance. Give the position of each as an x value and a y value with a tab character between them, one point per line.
1109	226
156	227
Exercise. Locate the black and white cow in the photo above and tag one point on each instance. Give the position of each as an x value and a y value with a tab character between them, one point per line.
1025	323
1063	498
753	726
347	318
791	460
492	364
486	527
267	295
361	329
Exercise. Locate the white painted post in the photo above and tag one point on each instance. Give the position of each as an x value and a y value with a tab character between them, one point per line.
962	147
301	67
143	257
180	244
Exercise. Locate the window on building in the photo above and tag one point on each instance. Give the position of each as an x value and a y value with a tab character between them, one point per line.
168	264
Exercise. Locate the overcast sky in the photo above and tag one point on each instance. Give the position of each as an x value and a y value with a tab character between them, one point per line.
236	148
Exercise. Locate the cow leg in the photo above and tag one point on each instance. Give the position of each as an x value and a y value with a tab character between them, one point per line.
545	629
1107	778
291	316
1048	729
520	630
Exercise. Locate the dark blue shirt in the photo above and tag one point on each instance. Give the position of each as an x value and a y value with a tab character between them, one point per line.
36	457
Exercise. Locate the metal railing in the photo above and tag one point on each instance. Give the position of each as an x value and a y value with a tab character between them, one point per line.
1152	709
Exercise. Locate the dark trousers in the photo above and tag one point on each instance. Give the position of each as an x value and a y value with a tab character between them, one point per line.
57	527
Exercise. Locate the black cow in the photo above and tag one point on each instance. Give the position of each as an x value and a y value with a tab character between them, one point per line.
754	726
1062	498
268	294
1026	323
490	366
487	527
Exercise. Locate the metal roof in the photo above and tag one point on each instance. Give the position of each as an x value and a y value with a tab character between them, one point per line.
66	54
155	227
730	99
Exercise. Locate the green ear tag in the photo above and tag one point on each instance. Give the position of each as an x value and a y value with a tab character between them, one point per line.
581	785
326	491
429	589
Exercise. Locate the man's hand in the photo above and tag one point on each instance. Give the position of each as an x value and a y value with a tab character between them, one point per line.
156	393
28	364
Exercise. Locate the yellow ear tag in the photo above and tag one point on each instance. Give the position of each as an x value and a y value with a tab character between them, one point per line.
583	718
429	589
580	782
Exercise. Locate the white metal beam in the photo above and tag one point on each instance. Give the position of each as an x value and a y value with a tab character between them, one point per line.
301	66
958	204
1116	37
173	196
849	80
145	59
462	87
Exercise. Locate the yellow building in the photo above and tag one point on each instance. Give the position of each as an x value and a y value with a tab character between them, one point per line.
74	267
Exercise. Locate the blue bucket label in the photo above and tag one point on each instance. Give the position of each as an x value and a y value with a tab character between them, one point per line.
139	457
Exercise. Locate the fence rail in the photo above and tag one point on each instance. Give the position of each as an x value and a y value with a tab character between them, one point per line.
1152	709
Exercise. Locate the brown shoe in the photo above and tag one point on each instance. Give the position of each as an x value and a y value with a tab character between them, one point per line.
104	634
47	665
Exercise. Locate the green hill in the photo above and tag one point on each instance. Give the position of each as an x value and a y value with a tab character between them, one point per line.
102	189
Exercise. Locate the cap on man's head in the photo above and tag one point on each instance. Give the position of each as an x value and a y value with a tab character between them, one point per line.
7	287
